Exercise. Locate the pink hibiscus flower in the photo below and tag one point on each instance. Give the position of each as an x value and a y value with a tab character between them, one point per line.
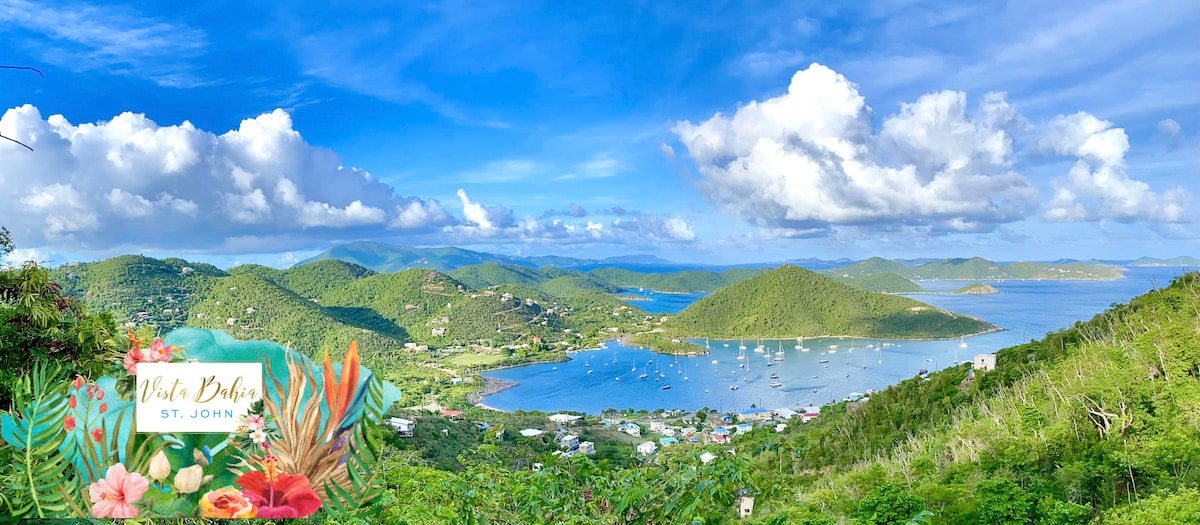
112	495
255	422
159	351
131	360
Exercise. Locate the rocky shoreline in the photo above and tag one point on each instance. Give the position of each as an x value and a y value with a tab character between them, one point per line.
491	386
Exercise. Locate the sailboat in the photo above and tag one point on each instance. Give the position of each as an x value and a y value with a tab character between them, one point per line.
741	352
644	374
962	342
779	354
760	348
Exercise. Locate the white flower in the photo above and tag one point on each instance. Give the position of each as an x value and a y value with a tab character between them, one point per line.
258	436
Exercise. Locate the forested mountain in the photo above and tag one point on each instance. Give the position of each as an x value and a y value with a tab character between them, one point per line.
675	282
330	302
978	268
792	301
886	282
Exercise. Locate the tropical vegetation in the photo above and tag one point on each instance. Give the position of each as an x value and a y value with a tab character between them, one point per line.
792	301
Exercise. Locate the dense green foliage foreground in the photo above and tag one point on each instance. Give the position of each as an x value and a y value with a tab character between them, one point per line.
1099	423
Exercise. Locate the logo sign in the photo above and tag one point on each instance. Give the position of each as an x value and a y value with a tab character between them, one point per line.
195	397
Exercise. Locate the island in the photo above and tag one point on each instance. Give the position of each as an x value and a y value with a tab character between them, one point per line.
977	289
794	302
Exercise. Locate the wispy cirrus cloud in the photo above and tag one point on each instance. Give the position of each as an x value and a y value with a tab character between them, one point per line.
83	37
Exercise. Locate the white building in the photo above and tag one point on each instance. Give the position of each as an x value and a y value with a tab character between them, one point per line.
403	427
745	507
564	418
587	447
569	442
647	448
984	362
657	426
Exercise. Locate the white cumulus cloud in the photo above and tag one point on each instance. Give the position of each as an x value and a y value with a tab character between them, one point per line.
1097	186
128	180
805	161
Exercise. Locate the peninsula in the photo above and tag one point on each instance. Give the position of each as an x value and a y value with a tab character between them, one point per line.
791	301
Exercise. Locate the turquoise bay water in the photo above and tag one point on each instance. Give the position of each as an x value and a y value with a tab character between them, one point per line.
1025	309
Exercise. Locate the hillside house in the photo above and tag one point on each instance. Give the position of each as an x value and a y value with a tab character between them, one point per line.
564	418
630	428
657	426
785	413
568	442
532	432
647	448
755	414
438	331
745	507
742	428
984	362
587	447
231	321
403	427
668	441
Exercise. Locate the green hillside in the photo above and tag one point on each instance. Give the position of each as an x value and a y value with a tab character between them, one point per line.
138	288
792	301
872	266
675	282
260	309
1093	424
887	282
493	274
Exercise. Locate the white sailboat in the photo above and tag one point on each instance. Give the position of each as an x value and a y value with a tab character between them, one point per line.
760	348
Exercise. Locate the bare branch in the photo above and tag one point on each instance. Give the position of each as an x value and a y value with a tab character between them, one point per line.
26	68
17	141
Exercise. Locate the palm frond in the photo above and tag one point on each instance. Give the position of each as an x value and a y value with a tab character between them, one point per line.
34	428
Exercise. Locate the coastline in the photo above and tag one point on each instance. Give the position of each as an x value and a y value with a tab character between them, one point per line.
491	385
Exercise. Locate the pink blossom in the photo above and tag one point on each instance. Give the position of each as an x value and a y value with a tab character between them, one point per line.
131	360
112	495
255	422
159	351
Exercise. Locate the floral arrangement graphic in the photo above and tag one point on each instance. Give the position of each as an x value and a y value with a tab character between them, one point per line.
305	447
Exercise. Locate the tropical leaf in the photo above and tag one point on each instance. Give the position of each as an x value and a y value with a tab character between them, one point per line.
364	449
34	428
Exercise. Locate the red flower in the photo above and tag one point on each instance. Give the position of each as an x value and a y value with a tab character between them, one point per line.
96	434
99	394
103	407
90	394
78	382
69	423
71	401
279	495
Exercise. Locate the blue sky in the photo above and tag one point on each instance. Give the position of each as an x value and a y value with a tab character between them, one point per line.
698	131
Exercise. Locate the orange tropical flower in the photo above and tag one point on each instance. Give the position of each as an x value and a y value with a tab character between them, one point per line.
69	423
226	502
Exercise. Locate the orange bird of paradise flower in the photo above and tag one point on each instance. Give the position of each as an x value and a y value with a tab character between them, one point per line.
339	390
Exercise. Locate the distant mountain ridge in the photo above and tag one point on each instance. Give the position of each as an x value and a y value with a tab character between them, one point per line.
1182	260
978	268
387	258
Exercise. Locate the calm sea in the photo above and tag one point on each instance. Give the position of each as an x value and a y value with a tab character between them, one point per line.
589	382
